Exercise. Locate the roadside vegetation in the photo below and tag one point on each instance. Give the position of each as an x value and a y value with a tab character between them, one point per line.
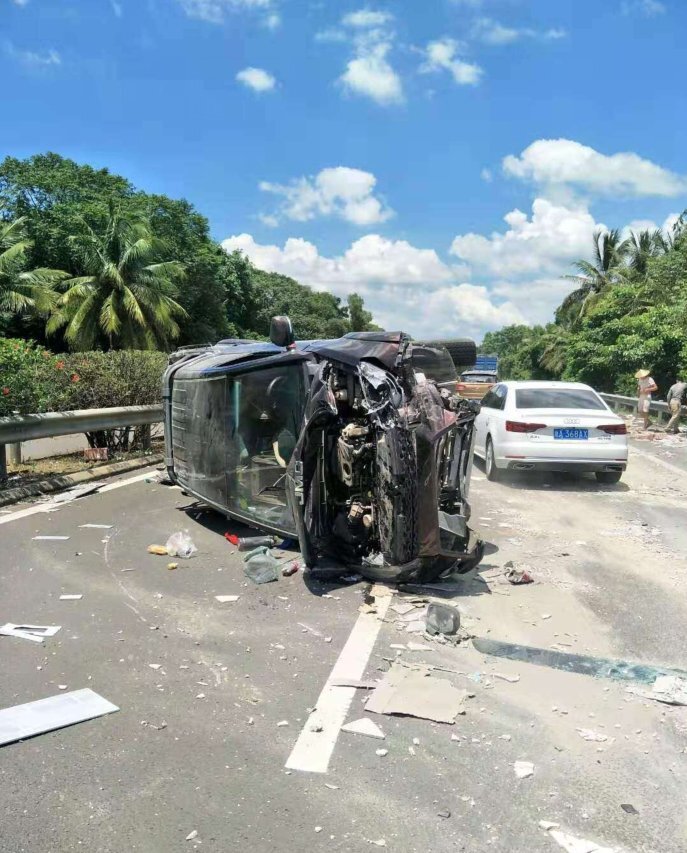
628	310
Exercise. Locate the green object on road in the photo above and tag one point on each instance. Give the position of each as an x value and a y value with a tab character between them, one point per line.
584	664
260	566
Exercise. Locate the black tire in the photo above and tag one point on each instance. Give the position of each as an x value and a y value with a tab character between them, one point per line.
493	473
396	495
609	478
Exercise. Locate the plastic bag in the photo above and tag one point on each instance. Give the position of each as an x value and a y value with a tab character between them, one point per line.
181	545
260	566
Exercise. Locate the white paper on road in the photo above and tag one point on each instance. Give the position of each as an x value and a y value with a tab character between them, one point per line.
316	742
55	712
35	633
51	538
71	597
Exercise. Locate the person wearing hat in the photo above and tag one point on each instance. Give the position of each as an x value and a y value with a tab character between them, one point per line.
645	386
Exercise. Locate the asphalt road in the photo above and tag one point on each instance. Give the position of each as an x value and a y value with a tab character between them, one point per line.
197	744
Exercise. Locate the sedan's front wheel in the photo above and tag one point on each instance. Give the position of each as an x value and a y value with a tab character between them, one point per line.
492	472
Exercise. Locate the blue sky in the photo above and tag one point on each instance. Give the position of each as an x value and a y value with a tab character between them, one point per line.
447	158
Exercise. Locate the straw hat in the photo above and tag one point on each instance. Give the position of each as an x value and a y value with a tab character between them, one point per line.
641	374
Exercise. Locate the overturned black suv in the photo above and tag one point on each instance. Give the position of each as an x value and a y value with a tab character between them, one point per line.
358	446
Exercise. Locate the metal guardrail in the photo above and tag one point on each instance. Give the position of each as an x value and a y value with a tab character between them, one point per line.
618	401
17	428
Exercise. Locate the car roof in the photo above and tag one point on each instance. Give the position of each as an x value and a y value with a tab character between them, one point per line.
545	383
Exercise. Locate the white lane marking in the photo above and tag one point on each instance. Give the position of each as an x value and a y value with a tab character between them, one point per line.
315	745
674	468
53	505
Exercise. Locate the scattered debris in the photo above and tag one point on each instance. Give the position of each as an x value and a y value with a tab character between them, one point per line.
583	664
381	752
291	568
226	599
380	842
97	526
35	633
172	566
589	734
418	647
364	726
442	619
260	566
159	550
163	725
181	545
72	494
669	689
414	693
350	682
232	538
50	538
55	712
192	835
523	769
402	609
331	787
548	824
71	597
517	576
578	845
155	665
282	723
351	579
628	808
505	677
445	813
249	543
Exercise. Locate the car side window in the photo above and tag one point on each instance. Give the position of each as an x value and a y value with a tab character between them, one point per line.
490	400
500	393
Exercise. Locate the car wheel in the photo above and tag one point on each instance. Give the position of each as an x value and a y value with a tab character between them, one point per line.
492	472
608	477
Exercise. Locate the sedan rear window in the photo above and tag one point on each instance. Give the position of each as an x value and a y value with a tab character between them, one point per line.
556	398
487	378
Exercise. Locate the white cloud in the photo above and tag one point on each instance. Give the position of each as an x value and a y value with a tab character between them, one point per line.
540	246
365	18
257	79
340	191
369	73
564	163
33	59
117	8
649	8
486	175
272	21
440	55
213	11
21	2
494	33
405	287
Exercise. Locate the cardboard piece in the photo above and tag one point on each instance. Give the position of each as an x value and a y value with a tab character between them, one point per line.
35	633
414	693
55	712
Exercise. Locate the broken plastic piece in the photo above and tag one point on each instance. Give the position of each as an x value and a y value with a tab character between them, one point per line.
71	597
35	633
55	712
517	576
181	545
226	599
364	726
414	693
523	769
232	537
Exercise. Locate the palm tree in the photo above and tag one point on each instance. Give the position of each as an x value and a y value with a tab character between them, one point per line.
596	276
643	245
554	355
124	296
22	291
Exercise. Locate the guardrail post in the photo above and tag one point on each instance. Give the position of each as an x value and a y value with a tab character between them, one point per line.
15	453
3	464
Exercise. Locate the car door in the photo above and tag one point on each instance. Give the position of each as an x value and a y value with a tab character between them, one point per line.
494	418
482	420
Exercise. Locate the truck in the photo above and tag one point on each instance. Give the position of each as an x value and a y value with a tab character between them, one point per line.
474	382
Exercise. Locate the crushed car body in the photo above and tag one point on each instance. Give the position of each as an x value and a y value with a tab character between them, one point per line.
351	445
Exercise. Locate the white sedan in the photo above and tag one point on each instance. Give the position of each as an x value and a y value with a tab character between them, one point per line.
550	426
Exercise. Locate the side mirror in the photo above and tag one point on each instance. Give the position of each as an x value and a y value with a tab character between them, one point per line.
281	331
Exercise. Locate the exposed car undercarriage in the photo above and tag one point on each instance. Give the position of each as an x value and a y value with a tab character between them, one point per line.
370	455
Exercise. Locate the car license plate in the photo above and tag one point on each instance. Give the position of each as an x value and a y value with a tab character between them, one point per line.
571	434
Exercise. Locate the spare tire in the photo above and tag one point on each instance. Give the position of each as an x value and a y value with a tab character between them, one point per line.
463	351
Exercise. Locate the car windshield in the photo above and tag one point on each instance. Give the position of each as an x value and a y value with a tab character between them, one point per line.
556	398
487	378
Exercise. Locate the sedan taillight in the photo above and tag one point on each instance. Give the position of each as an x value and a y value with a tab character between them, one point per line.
613	429
518	426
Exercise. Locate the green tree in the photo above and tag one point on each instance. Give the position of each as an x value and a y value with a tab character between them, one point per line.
594	277
22	291
123	296
358	318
